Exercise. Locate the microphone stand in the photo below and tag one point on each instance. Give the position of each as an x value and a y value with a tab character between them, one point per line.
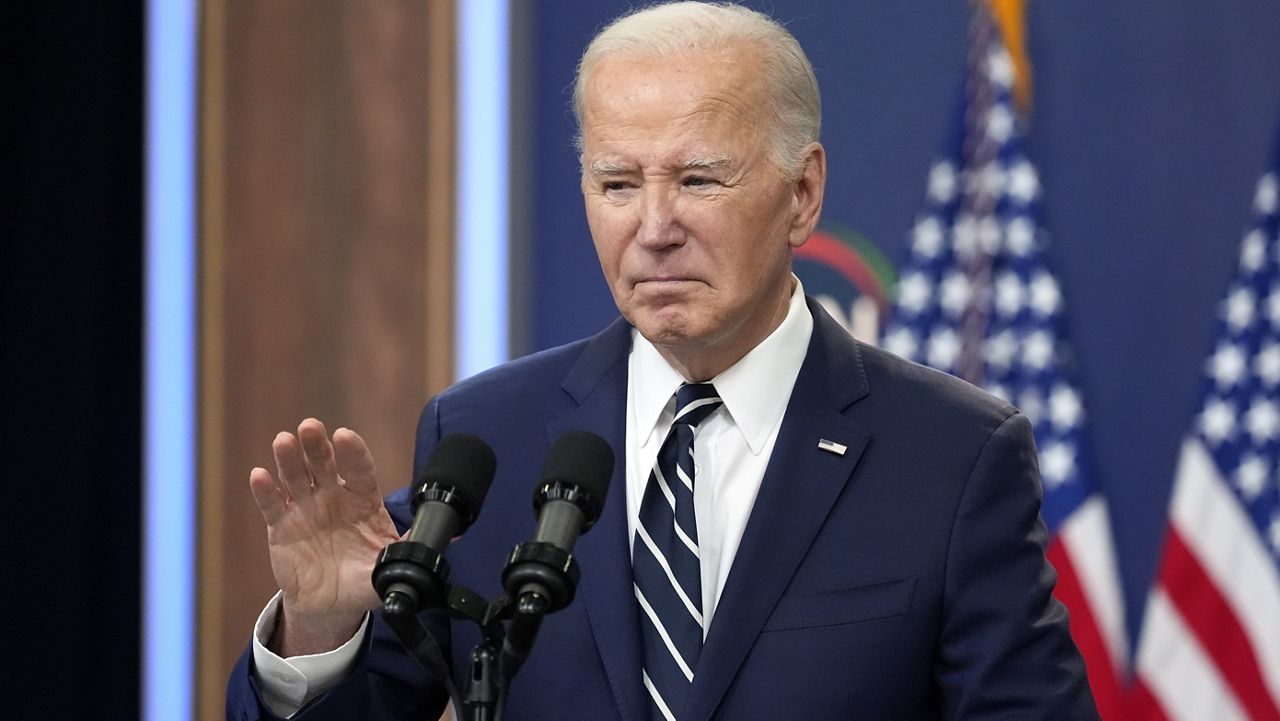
545	578
540	577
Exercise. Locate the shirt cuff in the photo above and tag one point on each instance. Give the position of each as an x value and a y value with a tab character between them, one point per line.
288	684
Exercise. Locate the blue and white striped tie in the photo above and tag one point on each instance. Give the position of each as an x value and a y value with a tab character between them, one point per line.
665	560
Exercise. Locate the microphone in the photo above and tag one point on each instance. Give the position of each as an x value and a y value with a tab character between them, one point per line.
412	574
448	496
541	575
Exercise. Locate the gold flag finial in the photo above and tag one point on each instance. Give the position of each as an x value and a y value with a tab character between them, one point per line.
1010	17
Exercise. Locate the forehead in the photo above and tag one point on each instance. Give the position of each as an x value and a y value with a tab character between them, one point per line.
629	95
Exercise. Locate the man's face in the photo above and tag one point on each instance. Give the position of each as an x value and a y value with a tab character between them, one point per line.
692	222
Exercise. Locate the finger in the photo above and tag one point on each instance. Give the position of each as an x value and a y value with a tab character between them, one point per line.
355	462
269	497
291	467
318	452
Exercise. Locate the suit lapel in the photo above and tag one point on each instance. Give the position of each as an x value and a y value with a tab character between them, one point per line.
598	384
799	488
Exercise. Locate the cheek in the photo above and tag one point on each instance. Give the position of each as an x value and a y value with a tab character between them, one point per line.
610	261
603	231
610	246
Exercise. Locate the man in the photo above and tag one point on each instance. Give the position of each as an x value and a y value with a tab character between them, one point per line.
854	536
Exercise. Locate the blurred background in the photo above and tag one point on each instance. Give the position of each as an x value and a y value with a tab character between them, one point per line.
231	215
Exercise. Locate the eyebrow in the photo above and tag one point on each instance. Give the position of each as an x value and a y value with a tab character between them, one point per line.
608	167
708	162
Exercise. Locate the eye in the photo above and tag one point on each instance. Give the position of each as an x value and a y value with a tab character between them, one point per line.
697	181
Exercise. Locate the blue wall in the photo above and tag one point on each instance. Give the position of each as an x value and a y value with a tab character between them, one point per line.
1152	121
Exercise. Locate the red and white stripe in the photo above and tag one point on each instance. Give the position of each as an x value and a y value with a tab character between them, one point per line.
1089	586
1210	644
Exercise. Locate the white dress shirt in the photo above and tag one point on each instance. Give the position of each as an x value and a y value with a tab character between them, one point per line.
731	452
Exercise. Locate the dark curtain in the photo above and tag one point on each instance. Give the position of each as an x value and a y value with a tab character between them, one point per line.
73	356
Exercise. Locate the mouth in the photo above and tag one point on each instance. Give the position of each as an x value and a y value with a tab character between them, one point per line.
666	279
666	289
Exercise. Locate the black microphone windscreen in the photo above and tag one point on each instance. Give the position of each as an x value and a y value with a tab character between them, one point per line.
464	462
583	459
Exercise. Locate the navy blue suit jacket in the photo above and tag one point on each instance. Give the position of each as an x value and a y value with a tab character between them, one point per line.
904	579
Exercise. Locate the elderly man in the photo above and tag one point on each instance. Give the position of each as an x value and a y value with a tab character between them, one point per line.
854	537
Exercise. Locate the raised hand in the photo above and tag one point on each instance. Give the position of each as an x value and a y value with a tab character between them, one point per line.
325	527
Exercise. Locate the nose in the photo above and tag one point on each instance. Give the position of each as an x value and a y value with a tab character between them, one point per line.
658	225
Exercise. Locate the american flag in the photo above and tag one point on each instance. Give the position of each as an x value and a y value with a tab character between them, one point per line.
1210	643
977	299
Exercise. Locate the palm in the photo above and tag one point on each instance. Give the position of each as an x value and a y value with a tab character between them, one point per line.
324	547
325	526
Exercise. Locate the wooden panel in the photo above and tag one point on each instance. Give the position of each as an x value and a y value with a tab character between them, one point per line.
326	236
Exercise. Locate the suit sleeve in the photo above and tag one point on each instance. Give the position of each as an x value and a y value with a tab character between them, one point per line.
1005	650
387	683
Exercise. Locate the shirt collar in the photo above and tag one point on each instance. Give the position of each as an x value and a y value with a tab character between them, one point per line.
755	390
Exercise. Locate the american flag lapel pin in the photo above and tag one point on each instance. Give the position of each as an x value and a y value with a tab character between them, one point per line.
832	446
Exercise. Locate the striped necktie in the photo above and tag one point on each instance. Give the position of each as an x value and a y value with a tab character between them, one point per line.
664	558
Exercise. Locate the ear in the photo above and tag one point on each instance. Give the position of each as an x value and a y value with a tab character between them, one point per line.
807	194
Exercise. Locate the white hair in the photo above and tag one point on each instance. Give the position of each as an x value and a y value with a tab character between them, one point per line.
794	109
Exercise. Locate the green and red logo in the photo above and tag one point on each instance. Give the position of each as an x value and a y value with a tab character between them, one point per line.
849	276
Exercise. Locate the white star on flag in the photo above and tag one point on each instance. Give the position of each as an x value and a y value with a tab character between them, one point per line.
1239	308
999	124
988	181
942	182
1009	294
955	293
1065	408
1020	235
1264	200
1266	364
1227	365
1273	307
1045	296
1023	182
1251	476
1056	463
1000	68
1038	350
1253	252
1218	421
1262	420
944	348
928	238
914	292
1001	350
902	342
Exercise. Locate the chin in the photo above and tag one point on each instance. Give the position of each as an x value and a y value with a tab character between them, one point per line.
663	331
673	324
662	335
